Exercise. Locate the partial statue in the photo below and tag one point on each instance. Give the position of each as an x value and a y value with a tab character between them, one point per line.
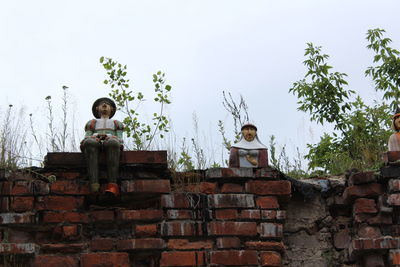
249	151
394	139
103	135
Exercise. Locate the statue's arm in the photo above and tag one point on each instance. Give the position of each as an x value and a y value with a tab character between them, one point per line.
89	129
119	130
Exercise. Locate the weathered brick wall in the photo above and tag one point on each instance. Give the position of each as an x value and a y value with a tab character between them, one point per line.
226	217
232	217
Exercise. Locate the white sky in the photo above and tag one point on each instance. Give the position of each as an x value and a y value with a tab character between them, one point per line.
253	48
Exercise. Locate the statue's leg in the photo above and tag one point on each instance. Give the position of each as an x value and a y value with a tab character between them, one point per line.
112	150
91	151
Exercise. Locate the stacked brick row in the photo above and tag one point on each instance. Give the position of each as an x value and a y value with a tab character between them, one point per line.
233	217
375	201
63	224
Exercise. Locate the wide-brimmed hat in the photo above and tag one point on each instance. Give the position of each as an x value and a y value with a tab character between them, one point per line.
103	99
248	125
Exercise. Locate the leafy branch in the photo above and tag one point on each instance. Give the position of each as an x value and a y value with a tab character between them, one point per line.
143	133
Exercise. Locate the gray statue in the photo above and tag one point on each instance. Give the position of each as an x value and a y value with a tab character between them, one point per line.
103	135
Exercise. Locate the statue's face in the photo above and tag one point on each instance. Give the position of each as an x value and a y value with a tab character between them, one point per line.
249	133
397	123
104	109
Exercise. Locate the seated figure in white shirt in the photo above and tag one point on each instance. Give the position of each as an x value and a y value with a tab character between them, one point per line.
103	134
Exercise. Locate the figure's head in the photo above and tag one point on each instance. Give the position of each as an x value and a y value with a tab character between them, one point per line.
396	120
249	132
103	106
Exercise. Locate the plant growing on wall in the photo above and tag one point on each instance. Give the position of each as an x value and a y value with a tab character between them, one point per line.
142	133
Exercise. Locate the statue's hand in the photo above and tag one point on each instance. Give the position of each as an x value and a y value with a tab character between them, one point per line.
252	160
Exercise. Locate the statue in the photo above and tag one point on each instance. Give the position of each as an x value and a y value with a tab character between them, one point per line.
103	134
249	151
394	139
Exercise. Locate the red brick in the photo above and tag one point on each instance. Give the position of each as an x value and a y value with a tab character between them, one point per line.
60	202
202	187
63	248
394	257
366	190
267	203
101	216
140	244
269	187
71	217
103	244
228	242
232	188
18	248
231	201
52	260
4	204
70	188
265	245
232	228
362	178
17	218
234	257
146	230
226	214
120	259
70	231
179	214
17	236
39	187
5	188
21	188
185	244
182	258
146	186
140	215
250	214
364	205
21	204
180	229
176	200
267	173
271	258
271	230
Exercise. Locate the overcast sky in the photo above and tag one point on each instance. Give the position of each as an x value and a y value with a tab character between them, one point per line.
253	48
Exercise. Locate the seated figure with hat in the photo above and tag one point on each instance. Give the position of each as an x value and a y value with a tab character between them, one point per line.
394	139
249	151
103	135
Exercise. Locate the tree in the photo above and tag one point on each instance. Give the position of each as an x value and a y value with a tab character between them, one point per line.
361	131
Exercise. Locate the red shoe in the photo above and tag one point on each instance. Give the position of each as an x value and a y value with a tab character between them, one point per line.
112	188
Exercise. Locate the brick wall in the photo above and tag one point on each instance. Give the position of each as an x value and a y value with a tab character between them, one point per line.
217	217
230	217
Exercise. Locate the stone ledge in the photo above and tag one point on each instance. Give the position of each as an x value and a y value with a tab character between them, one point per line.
77	160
